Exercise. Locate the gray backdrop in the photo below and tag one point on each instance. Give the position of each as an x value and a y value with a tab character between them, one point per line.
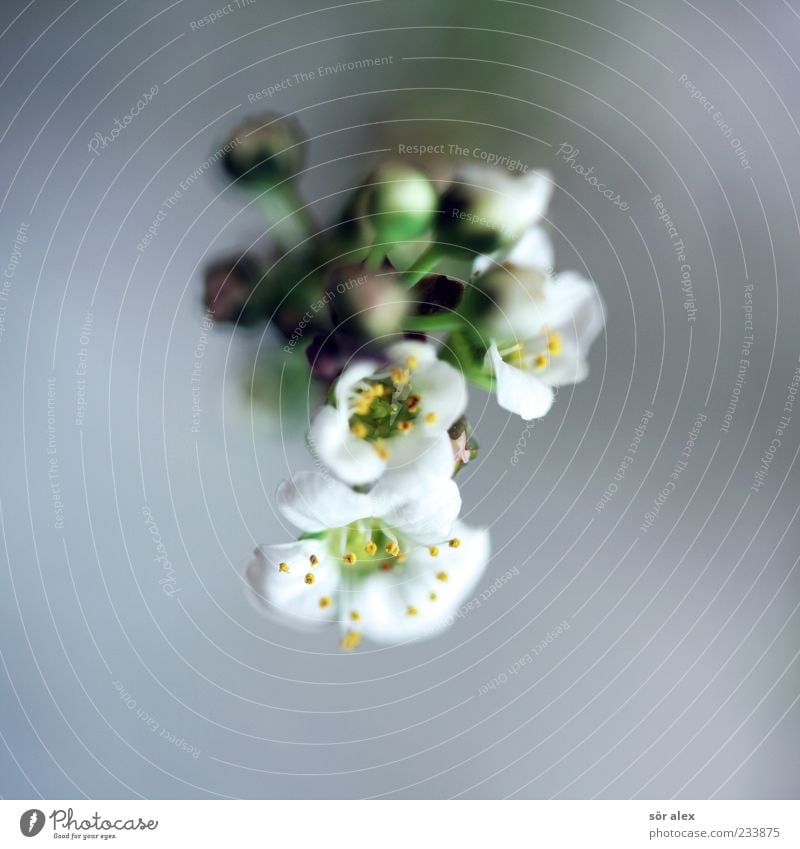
125	676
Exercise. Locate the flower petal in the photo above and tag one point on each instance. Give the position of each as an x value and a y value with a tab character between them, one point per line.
347	382
518	391
422	352
289	593
314	501
533	250
422	509
443	390
413	603
355	461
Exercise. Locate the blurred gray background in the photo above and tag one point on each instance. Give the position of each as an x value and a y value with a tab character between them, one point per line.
678	674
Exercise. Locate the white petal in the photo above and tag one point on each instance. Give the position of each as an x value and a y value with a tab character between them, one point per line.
517	391
538	190
588	316
286	593
347	381
355	461
423	352
314	501
387	596
420	456
533	250
443	390
423	509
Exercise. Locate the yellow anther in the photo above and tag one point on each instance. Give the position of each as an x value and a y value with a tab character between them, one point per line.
392	548
370	548
412	362
283	567
455	542
442	576
401	558
378	390
411	610
309	579
313	560
381	450
430	418
325	601
359	430
433	551
540	361
400	376
362	406
405	427
412	402
351	640
349	558
355	615
554	343
433	596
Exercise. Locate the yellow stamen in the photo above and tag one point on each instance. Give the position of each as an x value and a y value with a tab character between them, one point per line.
430	418
540	361
412	362
309	579
392	548
313	559
433	596
411	610
359	430
325	601
351	640
283	567
381	450
442	576
405	427
355	615
554	343
401	558
370	548
400	376
433	551
349	558
454	542
413	403
378	390
515	353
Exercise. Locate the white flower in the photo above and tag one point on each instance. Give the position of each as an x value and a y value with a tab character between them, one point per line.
543	325
485	208
390	416
391	565
533	250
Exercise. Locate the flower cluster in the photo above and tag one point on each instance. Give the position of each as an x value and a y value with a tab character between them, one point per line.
422	287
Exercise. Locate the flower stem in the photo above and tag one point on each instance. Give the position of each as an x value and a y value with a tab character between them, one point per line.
285	211
433	254
437	321
376	254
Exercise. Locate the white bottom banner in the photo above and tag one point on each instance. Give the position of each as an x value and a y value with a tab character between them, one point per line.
401	824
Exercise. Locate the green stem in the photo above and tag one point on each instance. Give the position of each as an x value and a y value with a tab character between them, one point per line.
437	321
433	254
376	254
291	222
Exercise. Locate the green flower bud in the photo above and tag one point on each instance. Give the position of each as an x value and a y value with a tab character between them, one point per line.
484	210
264	150
367	303
401	202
